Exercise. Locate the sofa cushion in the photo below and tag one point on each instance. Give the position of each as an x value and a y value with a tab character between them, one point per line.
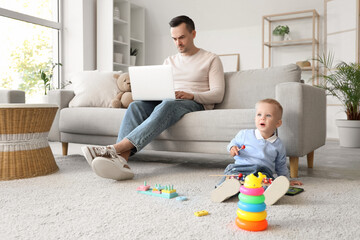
93	89
210	125
245	88
91	121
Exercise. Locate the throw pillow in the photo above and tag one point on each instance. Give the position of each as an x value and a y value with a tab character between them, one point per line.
93	89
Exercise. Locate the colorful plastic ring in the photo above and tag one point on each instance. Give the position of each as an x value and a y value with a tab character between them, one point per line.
248	207
251	199
251	216
252	191
251	226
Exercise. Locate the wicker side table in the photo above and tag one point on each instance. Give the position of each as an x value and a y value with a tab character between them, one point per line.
24	148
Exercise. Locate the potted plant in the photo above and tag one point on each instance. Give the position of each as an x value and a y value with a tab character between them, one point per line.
343	82
280	31
133	54
46	76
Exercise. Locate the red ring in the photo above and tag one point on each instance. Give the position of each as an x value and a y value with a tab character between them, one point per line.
251	226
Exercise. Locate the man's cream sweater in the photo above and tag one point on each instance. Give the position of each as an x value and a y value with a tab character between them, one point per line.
201	74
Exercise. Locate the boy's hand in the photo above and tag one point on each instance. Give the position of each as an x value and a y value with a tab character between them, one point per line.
234	150
295	182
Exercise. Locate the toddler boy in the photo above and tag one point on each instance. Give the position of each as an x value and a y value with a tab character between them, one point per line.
263	152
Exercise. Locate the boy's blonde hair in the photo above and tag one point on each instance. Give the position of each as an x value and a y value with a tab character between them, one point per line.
273	102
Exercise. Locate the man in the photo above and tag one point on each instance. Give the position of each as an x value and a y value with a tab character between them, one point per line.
198	82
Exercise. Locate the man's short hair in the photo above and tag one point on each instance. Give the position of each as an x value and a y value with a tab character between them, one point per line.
176	21
273	102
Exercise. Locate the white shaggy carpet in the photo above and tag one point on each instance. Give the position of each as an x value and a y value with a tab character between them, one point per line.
76	204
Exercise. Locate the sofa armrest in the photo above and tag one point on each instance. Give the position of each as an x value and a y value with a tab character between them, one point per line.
12	96
61	98
304	117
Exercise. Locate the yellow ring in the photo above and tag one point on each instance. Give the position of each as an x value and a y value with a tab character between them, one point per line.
251	216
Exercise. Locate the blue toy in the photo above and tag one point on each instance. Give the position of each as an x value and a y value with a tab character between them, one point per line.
158	191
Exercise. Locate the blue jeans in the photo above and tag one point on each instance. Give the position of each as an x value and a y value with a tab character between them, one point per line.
145	120
245	169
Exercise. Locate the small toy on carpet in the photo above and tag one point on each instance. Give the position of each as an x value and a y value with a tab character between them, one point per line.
251	214
201	213
167	191
181	198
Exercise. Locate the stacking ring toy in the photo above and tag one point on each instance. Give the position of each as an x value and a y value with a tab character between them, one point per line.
251	199
252	191
251	216
248	207
251	226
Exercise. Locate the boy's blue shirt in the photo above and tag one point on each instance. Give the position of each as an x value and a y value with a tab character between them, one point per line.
270	152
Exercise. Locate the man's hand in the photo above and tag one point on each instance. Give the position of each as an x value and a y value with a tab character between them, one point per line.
295	182
234	150
184	95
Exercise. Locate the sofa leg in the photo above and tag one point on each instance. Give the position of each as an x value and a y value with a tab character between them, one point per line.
294	167
65	146
310	159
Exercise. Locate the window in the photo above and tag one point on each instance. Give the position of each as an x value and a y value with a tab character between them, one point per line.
29	43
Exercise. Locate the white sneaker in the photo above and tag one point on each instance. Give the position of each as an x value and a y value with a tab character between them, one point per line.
90	153
227	189
276	190
113	168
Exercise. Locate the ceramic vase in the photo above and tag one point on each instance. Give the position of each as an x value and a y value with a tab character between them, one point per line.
132	60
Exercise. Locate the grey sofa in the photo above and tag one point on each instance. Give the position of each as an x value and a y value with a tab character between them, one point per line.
12	96
303	129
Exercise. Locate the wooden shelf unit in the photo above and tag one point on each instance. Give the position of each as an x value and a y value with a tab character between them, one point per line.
313	41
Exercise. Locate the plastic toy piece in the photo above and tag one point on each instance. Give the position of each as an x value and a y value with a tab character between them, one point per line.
248	207
251	213
251	216
181	198
143	187
252	191
201	213
254	182
251	226
158	191
251	199
242	148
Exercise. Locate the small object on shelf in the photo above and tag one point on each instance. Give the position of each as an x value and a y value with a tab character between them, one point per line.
279	33
116	13
132	60
281	30
134	51
118	57
303	64
201	213
287	37
120	38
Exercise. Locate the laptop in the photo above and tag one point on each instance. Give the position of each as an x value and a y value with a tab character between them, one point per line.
152	83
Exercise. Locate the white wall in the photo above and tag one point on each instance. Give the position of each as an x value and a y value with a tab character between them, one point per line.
79	36
226	26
